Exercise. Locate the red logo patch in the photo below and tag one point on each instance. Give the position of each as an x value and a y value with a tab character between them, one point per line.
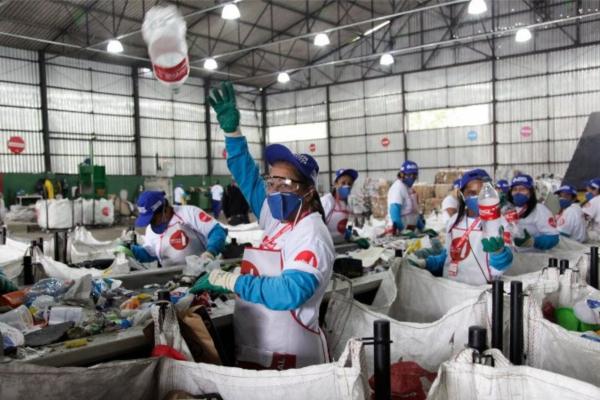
179	240
106	211
341	226
204	217
458	254
308	257
249	268
552	222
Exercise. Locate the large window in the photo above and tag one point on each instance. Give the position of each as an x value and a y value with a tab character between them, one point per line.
449	117
287	133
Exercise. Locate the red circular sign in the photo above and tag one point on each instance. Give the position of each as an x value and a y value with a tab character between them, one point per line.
224	153
106	211
308	257
552	222
248	268
204	217
341	226
312	147
385	142
16	144
458	253
526	131
179	240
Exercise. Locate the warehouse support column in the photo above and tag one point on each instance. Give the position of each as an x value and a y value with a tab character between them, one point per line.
44	110
404	121
263	126
329	137
136	120
207	127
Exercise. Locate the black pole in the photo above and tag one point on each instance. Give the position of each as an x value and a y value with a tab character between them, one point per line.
497	314
44	110
553	262
3	235
40	244
564	265
516	322
65	242
137	130
594	266
328	116
264	125
381	333
56	248
208	128
478	338
27	270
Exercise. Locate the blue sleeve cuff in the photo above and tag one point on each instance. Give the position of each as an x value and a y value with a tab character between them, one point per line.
216	239
501	261
283	293
244	170
435	264
141	254
545	242
396	215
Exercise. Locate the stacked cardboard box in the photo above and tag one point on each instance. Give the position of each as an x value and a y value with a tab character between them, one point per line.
379	199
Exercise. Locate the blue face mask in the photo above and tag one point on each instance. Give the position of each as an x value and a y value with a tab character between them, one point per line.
344	191
472	203
589	196
282	205
520	199
409	181
565	203
160	228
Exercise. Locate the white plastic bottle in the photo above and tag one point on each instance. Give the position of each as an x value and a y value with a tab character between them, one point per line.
489	210
164	32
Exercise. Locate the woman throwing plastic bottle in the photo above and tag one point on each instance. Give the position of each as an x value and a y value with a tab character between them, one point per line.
335	204
282	282
469	256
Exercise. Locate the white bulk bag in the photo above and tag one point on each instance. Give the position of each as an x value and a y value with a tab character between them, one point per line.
428	344
11	258
98	212
461	379
153	378
83	246
54	214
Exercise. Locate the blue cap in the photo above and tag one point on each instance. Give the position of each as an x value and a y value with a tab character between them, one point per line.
566	189
456	184
148	203
503	185
409	167
593	183
522	180
352	173
304	163
472	175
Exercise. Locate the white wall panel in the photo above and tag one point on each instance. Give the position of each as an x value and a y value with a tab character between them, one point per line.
190	130
426	139
511	132
311	97
522	110
461	136
425	80
151	146
522	152
471	94
68	122
355	161
19	71
430	157
307	114
395	140
345	145
521	66
347	109
189	148
347	91
281	100
190	94
383	86
468	74
19	95
563	150
108	104
69	100
70	78
348	127
110	83
520	88
567	128
153	89
190	166
156	127
474	156
156	108
563	106
113	125
188	112
437	98
386	161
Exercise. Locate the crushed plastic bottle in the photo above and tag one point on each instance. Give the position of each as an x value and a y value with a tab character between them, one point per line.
489	210
164	33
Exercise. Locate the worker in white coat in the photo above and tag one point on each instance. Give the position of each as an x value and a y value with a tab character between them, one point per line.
450	203
403	206
570	220
179	195
175	232
335	203
282	282
469	257
591	209
536	224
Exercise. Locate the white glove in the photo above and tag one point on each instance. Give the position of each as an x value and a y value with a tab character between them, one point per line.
223	279
207	255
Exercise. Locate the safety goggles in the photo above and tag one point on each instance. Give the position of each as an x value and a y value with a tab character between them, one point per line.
280	184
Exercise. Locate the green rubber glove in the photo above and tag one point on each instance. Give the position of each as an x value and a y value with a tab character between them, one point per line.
203	285
6	285
362	243
409	234
431	233
525	241
223	102
492	245
125	250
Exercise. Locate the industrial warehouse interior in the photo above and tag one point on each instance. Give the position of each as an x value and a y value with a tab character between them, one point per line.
299	199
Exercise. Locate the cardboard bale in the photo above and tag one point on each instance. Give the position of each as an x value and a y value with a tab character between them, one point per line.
379	206
448	175
424	191
442	190
431	205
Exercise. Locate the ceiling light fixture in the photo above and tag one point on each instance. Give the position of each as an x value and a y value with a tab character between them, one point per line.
114	46
477	7
210	64
283	77
230	11
321	40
